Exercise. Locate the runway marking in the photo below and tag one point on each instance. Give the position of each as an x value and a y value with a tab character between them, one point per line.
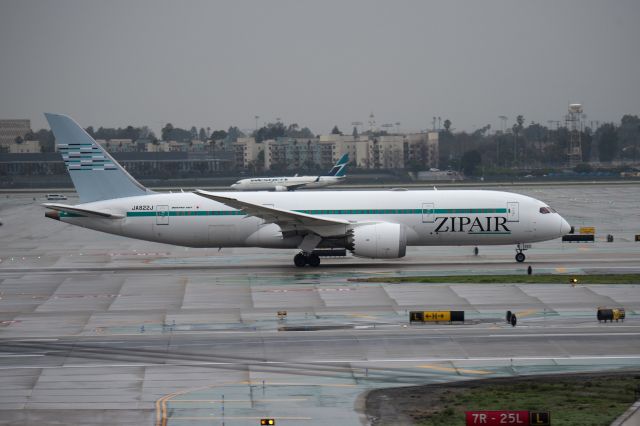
527	358
161	409
161	403
562	335
453	369
507	334
363	316
240	400
526	313
19	355
430	337
212	417
351	361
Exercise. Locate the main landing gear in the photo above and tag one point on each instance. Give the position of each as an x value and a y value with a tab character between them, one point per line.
302	259
520	248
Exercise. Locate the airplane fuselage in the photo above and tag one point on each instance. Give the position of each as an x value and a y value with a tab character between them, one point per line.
267	184
430	218
371	224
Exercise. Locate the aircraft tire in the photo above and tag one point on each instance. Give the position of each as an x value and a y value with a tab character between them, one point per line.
313	260
300	260
520	257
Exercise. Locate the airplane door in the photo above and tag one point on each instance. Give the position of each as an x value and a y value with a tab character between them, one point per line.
428	213
513	214
162	215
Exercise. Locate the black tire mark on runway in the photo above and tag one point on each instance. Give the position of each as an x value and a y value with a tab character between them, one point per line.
336	370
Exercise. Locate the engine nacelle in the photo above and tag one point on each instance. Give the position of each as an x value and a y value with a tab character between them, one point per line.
379	240
280	188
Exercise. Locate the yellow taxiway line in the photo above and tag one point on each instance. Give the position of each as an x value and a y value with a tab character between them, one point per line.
453	369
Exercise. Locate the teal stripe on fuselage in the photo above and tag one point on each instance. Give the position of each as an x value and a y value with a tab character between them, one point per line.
317	212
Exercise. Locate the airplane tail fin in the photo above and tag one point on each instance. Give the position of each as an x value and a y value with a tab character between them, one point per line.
339	169
95	174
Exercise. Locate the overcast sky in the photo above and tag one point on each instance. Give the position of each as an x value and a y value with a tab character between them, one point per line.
317	63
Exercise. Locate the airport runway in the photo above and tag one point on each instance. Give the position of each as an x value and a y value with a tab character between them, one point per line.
99	329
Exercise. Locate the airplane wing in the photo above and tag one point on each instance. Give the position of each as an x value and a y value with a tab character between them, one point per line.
288	220
294	186
81	212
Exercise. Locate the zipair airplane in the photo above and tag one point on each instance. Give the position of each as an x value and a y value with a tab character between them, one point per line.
371	224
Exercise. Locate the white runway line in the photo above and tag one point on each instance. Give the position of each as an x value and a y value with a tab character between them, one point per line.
343	361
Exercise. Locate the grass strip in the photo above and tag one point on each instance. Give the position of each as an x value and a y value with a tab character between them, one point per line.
510	279
571	400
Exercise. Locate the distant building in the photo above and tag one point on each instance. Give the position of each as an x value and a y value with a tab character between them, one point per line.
118	145
175	146
159	146
292	154
247	151
366	152
197	145
11	129
334	146
422	149
26	147
387	152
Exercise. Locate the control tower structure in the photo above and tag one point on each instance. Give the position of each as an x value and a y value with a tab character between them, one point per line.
574	128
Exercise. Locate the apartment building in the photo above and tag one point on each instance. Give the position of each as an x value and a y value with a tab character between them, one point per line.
11	129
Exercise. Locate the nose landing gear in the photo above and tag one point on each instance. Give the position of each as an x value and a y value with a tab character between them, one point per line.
520	248
301	259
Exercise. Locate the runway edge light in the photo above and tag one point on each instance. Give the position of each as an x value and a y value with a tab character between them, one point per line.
267	422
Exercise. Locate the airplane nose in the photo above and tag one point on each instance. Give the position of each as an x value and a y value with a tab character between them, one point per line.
565	228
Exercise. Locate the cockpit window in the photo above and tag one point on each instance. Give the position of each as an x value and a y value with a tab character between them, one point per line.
546	210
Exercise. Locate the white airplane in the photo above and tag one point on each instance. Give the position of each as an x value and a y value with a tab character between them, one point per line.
372	224
291	183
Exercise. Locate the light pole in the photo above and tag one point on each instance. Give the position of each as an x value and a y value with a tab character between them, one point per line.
503	123
515	152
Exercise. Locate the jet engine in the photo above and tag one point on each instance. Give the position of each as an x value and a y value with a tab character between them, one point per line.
280	188
378	240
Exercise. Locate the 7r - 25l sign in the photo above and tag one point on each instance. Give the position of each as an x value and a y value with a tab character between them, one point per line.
508	418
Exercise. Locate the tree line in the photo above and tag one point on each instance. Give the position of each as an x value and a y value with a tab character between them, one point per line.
536	146
533	146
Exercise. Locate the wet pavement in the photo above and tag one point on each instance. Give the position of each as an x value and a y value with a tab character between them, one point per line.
96	328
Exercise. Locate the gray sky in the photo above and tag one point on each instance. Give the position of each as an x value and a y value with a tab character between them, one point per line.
317	63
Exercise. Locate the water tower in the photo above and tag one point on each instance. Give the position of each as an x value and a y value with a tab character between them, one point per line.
574	128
